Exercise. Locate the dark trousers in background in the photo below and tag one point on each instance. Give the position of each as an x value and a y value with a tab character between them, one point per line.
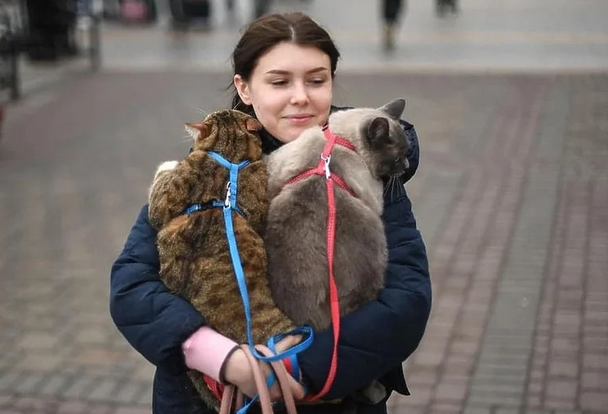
391	11
391	14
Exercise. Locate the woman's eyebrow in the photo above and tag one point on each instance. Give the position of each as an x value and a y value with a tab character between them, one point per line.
286	72
319	69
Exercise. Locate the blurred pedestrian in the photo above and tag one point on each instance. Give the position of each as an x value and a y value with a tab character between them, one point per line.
391	15
284	66
443	5
392	11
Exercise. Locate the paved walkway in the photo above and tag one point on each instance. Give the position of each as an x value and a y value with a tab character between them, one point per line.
511	198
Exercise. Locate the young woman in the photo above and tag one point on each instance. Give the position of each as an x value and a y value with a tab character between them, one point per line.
284	67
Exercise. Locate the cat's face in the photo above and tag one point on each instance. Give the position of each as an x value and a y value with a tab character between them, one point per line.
387	146
377	135
230	133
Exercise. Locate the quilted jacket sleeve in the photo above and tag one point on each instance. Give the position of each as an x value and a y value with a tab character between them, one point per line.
377	338
153	320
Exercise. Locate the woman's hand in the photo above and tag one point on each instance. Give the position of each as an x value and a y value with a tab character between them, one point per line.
239	372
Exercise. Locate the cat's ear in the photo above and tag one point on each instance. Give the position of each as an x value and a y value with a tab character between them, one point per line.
252	125
394	108
377	131
196	130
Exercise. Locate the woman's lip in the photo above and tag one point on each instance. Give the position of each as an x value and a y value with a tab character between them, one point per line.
299	119
298	116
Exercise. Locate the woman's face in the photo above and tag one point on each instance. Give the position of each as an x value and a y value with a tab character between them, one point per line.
290	89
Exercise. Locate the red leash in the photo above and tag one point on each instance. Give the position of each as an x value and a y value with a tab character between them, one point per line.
330	178
214	386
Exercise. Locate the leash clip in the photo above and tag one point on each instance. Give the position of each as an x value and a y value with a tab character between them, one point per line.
228	195
326	161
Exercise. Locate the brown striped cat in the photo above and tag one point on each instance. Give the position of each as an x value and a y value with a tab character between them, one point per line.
195	262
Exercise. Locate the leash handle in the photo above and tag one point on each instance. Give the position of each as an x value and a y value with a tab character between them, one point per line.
290	388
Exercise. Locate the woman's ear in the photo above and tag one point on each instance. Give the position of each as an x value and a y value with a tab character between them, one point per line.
242	88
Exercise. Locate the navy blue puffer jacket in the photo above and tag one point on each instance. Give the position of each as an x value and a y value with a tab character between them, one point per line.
374	340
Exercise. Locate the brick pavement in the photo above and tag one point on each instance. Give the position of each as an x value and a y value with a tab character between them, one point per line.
511	197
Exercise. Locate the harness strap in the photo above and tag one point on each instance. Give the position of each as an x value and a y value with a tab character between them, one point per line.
313	171
337	139
232	187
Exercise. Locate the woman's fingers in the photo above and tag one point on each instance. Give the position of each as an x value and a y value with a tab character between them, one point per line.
288	342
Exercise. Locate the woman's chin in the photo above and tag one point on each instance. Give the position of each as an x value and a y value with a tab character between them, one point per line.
295	132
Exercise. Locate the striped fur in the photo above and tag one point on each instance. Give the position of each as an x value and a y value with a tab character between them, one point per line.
194	257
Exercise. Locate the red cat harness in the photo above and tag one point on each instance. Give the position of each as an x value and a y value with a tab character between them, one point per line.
323	169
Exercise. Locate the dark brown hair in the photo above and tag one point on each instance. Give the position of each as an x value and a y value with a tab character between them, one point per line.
270	30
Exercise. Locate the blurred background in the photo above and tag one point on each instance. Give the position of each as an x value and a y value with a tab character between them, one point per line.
510	101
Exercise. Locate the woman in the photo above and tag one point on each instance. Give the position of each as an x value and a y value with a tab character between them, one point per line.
284	66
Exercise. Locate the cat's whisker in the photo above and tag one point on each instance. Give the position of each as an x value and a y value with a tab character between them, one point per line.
386	187
186	138
394	182
390	186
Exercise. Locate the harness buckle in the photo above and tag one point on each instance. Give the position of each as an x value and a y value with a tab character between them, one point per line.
228	195
326	161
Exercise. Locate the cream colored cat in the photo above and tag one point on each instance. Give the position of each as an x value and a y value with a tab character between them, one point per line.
296	228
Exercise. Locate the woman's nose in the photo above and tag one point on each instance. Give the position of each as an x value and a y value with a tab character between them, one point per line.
299	95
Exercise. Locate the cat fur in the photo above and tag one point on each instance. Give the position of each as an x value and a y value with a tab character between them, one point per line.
194	255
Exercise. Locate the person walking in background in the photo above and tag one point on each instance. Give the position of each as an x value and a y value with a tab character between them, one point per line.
442	7
391	14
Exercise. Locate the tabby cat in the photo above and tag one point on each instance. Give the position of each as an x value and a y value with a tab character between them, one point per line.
296	227
194	255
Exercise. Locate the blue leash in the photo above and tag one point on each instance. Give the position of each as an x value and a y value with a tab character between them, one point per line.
230	204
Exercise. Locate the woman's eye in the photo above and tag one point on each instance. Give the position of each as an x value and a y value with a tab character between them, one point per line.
317	81
279	82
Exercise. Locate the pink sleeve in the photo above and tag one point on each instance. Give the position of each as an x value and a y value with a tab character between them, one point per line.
206	350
